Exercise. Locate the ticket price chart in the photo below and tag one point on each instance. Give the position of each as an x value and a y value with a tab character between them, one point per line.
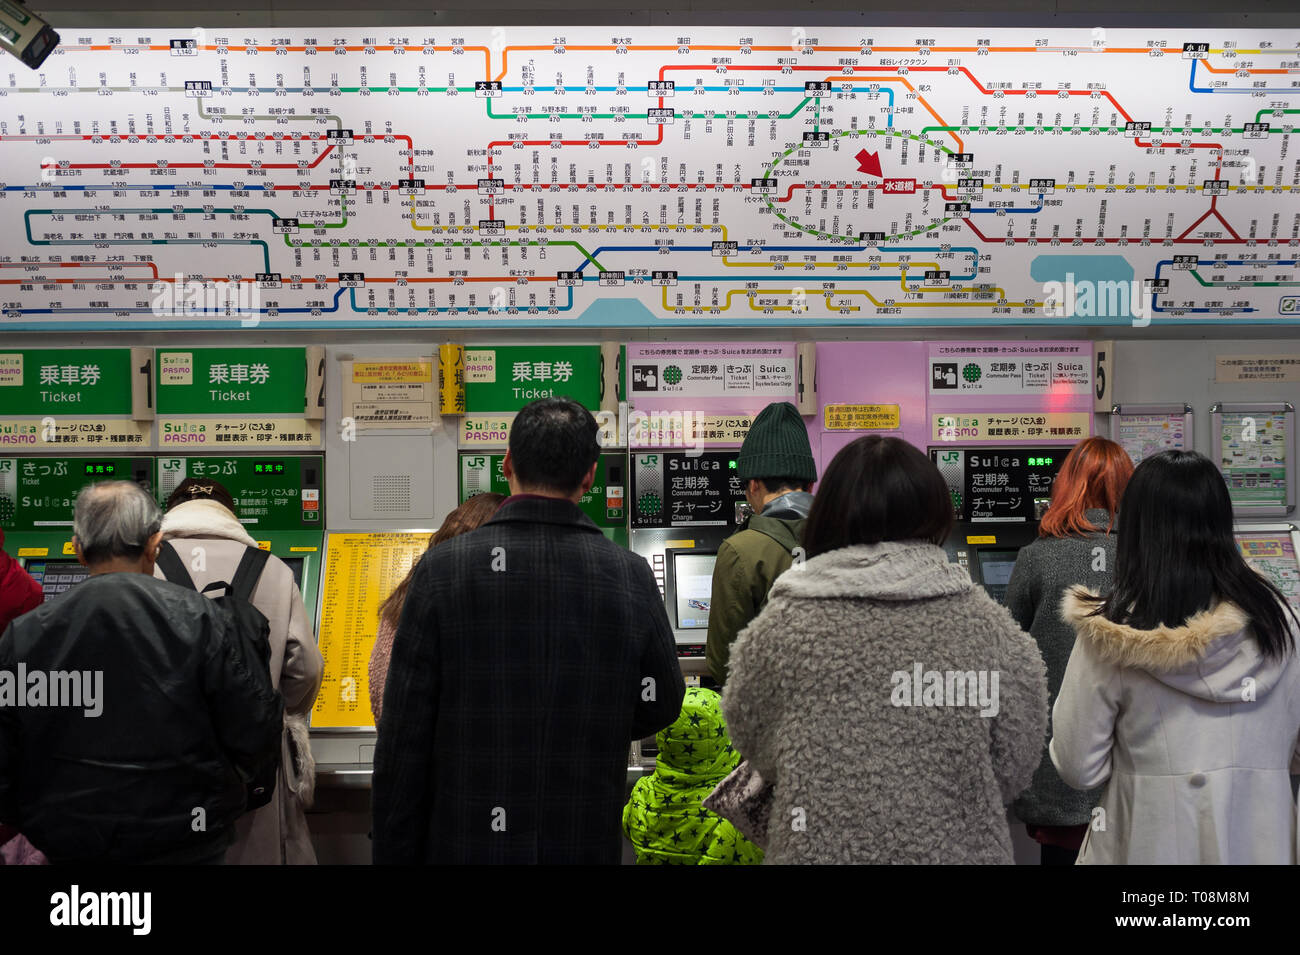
629	177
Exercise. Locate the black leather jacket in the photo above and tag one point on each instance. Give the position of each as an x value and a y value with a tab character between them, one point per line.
156	776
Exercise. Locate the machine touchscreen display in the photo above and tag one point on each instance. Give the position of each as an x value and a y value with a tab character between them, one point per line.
694	578
995	571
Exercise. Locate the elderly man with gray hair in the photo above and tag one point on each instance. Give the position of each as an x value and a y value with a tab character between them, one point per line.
130	712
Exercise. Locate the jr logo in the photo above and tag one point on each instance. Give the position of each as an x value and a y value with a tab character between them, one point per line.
476	462
649	461
171	464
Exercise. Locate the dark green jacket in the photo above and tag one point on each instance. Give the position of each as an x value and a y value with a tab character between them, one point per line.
748	564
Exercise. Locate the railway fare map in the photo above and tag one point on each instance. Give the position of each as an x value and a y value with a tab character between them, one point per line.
651	176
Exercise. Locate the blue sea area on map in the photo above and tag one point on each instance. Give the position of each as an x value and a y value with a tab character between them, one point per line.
1093	269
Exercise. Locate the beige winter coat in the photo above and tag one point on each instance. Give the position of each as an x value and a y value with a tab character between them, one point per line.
1193	731
277	833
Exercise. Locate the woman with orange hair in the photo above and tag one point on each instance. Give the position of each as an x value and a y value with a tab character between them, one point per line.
1076	545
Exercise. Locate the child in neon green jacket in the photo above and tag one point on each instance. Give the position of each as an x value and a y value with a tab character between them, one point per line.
664	818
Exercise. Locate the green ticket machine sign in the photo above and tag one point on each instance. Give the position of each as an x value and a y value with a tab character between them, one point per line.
604	503
37	495
502	378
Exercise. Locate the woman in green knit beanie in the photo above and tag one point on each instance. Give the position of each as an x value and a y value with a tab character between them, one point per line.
664	818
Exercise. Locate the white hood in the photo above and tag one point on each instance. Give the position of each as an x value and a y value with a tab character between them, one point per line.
204	519
1212	656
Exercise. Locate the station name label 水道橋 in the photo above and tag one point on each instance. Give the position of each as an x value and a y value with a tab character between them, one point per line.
645	176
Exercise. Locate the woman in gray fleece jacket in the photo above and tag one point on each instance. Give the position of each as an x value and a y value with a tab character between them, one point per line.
894	707
1076	546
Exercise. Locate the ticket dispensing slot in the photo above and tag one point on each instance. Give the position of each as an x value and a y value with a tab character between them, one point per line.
999	495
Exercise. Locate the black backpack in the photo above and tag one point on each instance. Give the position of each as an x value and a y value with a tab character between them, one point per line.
251	628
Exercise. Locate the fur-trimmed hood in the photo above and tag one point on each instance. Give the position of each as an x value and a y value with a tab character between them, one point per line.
204	519
893	570
1211	656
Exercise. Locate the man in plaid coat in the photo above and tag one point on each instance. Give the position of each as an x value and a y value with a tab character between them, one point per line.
530	653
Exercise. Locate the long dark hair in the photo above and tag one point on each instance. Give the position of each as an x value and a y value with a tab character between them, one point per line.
878	489
463	519
1176	554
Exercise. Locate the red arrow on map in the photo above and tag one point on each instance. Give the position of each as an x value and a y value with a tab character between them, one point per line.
869	163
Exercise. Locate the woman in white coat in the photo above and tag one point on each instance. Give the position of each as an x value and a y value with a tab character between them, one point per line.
1182	694
201	515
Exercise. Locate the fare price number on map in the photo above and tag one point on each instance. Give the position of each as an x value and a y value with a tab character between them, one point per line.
476	179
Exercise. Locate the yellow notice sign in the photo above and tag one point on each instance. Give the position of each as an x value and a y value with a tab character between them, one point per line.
1012	426
1260	547
392	372
360	571
861	417
33	551
981	539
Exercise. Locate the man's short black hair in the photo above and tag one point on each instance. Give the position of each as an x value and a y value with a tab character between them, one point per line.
553	444
774	484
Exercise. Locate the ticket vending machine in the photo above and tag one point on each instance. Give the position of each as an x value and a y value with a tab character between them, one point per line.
36	501
683	506
998	497
605	504
280	499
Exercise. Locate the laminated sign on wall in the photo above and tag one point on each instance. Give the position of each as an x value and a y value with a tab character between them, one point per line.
391	393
